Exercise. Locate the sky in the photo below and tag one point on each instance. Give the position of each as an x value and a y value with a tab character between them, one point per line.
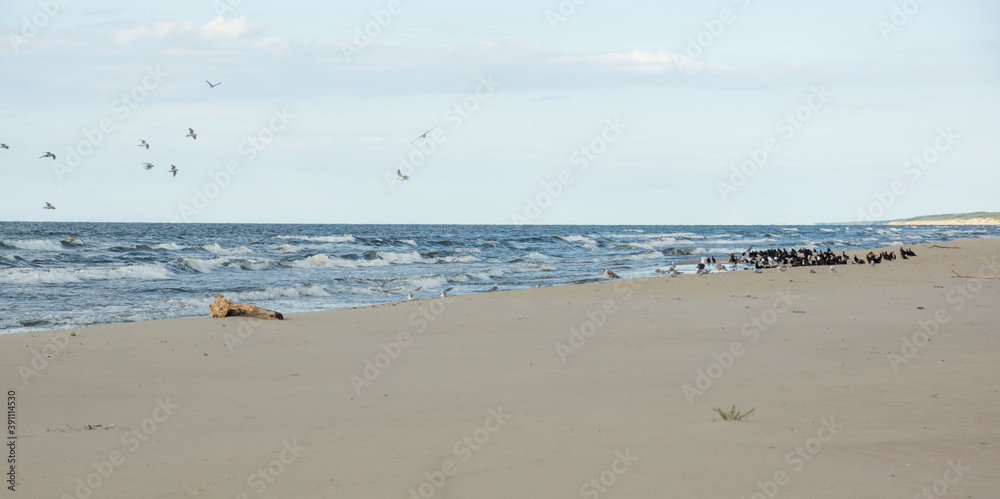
543	112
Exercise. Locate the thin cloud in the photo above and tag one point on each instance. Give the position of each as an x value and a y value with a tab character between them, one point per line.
219	28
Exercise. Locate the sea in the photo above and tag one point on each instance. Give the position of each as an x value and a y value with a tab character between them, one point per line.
72	275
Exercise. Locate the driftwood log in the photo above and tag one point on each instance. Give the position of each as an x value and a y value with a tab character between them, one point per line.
222	307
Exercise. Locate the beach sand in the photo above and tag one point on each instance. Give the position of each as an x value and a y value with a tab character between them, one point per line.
493	395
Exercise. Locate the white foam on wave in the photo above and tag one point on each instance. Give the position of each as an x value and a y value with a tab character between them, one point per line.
411	242
532	267
653	244
282	292
285	248
219	250
35	244
404	258
167	246
322	261
649	255
147	271
535	256
204	266
577	239
346	238
486	275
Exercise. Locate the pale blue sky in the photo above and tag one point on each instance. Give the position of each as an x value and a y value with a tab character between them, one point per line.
687	121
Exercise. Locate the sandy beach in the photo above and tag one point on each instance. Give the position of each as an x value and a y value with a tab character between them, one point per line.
865	383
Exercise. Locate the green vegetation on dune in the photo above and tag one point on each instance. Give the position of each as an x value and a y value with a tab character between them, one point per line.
954	216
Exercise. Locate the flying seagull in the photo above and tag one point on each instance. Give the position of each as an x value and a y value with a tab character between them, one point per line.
48	155
192	134
4	146
381	288
409	296
444	293
424	135
611	274
173	169
211	85
149	166
143	143
48	206
400	176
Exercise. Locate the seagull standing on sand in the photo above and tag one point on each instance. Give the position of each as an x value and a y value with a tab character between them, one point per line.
833	270
409	296
149	166
212	85
424	135
611	274
173	169
444	293
400	176
192	134
143	143
48	155
48	206
494	288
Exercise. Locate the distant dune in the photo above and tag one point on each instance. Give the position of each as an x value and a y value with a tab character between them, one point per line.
977	218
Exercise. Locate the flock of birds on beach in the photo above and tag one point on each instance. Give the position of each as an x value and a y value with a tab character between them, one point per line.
778	259
142	143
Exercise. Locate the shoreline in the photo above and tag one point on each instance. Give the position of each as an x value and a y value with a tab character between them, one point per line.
596	279
536	391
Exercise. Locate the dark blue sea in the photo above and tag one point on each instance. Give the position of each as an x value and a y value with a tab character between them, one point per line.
68	275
